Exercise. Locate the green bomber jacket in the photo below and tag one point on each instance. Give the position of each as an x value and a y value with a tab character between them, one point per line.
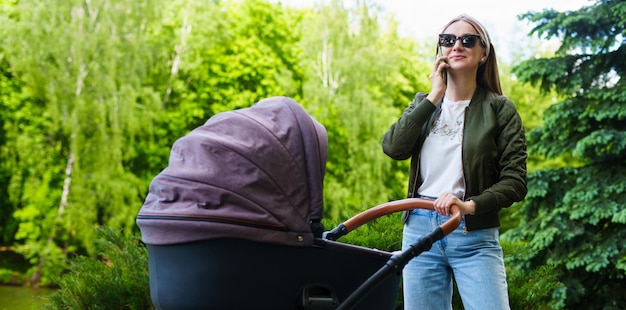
493	147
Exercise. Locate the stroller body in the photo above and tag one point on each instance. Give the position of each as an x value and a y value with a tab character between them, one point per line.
242	274
233	222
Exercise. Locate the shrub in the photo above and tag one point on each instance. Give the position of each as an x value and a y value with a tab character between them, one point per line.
529	288
117	278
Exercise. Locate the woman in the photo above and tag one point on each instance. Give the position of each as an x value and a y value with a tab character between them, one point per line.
467	148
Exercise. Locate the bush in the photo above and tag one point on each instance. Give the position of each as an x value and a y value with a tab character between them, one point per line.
117	278
529	288
384	233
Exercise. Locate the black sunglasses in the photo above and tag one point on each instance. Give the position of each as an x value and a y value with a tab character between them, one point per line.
468	40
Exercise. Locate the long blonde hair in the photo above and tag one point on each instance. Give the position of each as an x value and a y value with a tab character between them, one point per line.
487	75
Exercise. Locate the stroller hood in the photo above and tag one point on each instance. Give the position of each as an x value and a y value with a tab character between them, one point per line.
254	173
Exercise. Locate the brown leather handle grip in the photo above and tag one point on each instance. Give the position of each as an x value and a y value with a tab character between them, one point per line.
403	205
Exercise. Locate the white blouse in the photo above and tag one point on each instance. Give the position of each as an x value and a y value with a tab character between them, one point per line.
441	163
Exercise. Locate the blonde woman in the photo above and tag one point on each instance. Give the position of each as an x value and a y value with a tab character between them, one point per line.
467	148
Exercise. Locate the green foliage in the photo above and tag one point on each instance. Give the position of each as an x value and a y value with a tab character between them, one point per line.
14	112
590	47
116	278
530	103
361	76
578	230
81	68
30	188
529	288
236	53
573	217
384	234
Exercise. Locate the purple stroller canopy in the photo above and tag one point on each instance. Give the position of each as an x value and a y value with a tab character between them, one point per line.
254	173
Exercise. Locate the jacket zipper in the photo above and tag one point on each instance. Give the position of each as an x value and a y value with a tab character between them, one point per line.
463	165
417	174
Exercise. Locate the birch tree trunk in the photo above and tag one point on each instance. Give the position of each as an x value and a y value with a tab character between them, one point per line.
36	277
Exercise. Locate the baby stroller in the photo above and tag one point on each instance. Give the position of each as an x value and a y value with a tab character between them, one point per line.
233	222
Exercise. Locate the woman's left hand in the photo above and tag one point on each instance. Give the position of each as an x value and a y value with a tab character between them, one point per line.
446	200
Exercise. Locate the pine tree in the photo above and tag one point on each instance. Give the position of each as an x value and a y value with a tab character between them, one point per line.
574	217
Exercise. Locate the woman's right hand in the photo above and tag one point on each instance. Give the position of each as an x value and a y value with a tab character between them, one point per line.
438	80
444	202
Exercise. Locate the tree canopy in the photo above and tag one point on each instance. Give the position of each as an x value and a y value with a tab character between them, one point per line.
573	217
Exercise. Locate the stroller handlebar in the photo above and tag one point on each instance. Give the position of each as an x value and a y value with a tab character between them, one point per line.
391	207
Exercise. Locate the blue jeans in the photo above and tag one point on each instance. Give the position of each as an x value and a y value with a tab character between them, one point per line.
474	258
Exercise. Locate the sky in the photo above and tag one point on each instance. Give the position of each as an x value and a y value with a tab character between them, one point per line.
424	19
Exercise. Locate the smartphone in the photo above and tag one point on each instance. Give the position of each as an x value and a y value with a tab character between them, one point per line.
443	72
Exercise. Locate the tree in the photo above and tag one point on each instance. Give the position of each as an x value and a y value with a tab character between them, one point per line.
530	103
236	53
359	76
573	217
83	63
